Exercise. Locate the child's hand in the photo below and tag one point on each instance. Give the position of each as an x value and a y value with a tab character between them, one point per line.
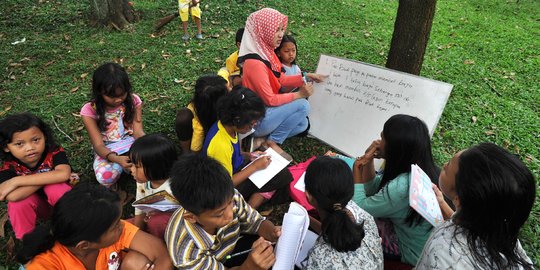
438	194
269	231
261	255
373	151
7	187
255	154
262	162
316	77
124	162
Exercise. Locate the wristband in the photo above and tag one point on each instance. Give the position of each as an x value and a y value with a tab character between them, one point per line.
108	154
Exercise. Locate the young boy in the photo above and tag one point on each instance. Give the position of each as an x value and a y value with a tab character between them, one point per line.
202	232
184	8
231	72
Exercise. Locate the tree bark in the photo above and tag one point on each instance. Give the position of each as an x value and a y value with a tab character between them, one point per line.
115	13
411	35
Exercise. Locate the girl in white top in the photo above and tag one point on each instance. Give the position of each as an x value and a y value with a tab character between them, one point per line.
493	192
152	157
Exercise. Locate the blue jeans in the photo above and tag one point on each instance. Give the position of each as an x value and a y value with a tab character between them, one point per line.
284	121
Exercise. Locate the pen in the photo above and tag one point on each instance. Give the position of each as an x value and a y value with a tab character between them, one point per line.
241	253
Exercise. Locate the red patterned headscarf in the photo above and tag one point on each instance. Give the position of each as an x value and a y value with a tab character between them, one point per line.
261	27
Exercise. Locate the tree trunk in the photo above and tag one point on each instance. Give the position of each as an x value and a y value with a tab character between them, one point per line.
411	35
115	13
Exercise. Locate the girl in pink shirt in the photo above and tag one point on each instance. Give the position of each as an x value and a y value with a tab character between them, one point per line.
113	120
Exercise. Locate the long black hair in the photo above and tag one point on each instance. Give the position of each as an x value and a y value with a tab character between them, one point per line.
407	142
208	90
111	79
156	153
330	182
240	107
84	213
496	192
14	123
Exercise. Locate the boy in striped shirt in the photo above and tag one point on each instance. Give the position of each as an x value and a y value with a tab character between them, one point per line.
202	232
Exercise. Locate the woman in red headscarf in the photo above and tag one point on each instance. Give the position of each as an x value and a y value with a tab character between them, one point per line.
262	72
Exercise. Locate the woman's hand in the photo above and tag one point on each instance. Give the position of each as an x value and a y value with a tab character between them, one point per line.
316	77
306	90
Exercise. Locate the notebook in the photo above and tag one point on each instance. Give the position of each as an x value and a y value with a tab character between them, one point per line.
161	201
422	197
261	177
293	232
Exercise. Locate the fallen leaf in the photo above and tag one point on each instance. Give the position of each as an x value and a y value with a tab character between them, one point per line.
74	89
178	81
468	62
67	37
489	132
5	110
76	114
79	129
84	75
15	64
48	63
473	119
12	77
143	66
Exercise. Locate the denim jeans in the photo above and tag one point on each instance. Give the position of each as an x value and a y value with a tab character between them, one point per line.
284	121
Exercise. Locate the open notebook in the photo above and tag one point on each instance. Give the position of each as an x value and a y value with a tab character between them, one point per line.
161	201
293	231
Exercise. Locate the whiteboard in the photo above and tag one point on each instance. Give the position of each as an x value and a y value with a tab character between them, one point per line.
349	108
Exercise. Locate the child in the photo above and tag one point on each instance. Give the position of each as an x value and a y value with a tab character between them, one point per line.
184	8
193	122
286	52
152	157
238	112
86	232
231	72
404	141
113	120
34	172
493	192
349	237
207	227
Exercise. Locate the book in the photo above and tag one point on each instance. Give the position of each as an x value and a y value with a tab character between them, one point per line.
293	232
160	201
261	177
422	198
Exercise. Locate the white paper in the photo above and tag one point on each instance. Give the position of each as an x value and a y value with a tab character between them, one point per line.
278	163
422	197
301	183
309	242
293	231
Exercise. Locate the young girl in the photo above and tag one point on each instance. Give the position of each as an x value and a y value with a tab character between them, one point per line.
113	120
238	112
34	172
286	52
349	237
86	232
404	141
152	157
493	192
193	122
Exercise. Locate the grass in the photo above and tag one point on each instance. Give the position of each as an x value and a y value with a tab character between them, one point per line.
486	49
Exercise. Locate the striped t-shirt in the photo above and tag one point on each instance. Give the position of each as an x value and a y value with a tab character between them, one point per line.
191	247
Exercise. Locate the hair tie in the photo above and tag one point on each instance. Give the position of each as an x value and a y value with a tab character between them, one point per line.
337	207
242	96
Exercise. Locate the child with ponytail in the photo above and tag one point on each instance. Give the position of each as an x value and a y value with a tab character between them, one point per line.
348	237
